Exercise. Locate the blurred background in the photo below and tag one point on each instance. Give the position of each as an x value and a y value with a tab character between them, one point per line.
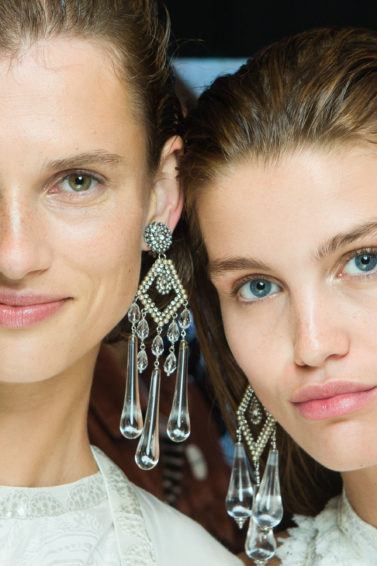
214	36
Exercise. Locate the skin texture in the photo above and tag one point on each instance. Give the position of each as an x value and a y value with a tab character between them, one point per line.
316	324
62	99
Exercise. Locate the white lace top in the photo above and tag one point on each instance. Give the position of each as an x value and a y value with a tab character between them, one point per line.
68	524
335	537
100	520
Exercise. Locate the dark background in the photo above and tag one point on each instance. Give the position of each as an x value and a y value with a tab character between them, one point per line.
237	28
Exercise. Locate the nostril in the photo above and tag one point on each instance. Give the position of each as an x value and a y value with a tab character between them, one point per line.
313	351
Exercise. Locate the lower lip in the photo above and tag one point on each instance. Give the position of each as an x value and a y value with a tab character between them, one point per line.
320	409
23	316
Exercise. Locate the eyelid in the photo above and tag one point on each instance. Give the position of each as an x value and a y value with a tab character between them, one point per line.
62	175
354	253
236	286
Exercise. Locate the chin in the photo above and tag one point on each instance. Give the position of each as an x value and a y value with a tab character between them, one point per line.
343	447
349	464
23	374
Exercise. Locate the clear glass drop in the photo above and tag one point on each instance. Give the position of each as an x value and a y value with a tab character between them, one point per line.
178	428
173	332
142	329
170	364
157	346
131	421
185	319
142	361
267	506
148	451
134	313
260	543
239	499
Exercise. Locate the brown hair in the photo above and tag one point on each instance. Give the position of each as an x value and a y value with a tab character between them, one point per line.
318	88
137	33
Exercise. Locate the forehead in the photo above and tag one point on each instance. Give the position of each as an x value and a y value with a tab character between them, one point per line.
64	89
302	198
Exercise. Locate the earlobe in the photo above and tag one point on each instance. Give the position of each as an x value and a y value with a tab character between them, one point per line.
167	197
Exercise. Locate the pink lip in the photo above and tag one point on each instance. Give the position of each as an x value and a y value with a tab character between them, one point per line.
21	310
332	399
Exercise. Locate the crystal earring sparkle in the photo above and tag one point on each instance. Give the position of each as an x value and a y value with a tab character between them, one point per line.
164	279
249	496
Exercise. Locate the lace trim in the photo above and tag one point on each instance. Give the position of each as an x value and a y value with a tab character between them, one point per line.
135	546
33	502
336	536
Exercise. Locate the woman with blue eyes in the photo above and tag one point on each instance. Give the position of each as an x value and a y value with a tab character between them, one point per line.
89	126
280	172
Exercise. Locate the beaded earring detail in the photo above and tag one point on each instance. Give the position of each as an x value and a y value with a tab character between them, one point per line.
248	496
164	279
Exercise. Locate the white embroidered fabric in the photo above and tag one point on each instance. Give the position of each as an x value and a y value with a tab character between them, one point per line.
151	533
69	525
100	520
336	536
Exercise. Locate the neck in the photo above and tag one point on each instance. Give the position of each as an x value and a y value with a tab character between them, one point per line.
43	429
361	490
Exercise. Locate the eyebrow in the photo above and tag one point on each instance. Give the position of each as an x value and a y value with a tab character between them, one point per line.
82	159
344	239
219	266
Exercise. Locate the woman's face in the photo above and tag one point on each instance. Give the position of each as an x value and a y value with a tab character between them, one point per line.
75	196
293	254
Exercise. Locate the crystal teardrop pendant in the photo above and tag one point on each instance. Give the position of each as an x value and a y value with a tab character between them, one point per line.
134	313
260	543
170	364
157	346
142	361
239	498
142	329
148	451
131	422
173	332
179	420
185	319
267	506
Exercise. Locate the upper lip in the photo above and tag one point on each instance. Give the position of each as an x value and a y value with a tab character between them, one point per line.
28	299
328	390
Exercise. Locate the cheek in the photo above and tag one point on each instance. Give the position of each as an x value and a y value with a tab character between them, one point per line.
104	260
259	352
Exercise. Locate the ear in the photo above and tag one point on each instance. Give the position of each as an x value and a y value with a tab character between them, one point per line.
166	201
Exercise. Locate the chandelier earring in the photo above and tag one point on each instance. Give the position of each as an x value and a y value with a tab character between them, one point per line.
170	322
250	498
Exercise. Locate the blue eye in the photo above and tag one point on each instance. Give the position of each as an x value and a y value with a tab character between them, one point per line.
256	289
365	262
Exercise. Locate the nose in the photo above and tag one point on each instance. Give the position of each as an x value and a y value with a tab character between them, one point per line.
24	247
320	333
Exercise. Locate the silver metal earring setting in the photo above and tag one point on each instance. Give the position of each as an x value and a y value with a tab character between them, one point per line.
249	497
171	322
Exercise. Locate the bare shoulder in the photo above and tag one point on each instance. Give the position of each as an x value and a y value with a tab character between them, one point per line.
273	562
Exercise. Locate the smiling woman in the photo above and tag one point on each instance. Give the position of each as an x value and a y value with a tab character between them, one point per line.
280	170
89	129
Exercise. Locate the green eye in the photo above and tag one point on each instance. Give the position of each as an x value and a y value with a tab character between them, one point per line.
79	183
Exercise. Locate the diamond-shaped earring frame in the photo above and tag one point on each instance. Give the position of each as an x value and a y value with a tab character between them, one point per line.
162	268
257	444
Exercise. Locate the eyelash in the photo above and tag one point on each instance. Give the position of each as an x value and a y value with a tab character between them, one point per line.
351	255
75	172
241	282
